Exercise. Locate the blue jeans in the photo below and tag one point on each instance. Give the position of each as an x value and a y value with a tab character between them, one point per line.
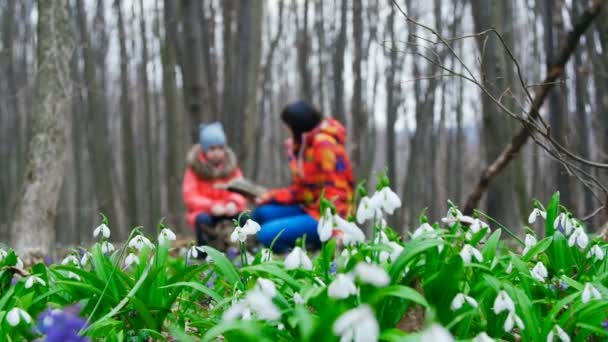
292	219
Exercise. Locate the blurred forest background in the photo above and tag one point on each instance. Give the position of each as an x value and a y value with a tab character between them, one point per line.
145	73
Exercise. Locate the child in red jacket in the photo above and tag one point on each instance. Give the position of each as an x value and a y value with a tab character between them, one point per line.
209	163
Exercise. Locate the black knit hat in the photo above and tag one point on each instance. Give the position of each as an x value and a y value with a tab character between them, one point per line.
301	117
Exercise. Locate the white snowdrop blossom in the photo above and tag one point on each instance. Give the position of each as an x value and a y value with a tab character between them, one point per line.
19	263
388	200
366	210
165	236
193	252
351	234
70	259
597	252
241	233
139	241
103	230
482	337
325	227
565	222
436	333
590	292
131	259
535	214
512	321
86	257
425	230
358	324
298	259
266	287
342	287
459	301
529	242
468	252
31	280
454	215
396	251
475	227
16	315
372	274
558	332
107	247
297	298
578	237
539	272
3	254
256	302
503	303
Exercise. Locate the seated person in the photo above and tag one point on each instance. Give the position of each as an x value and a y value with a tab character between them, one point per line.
209	163
318	162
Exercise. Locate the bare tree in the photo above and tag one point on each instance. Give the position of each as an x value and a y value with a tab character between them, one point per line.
338	66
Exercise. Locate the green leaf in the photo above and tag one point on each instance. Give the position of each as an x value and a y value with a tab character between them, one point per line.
145	314
540	247
248	328
224	266
594	329
198	287
410	251
552	213
489	250
305	322
274	271
403	292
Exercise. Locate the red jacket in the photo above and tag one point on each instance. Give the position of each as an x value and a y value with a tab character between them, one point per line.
199	180
320	163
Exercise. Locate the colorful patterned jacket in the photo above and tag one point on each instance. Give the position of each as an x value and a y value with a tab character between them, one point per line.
320	163
200	177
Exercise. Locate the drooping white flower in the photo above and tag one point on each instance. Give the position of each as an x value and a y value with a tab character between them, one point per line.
266	287
296	259
325	227
597	252
559	332
590	292
539	272
107	247
387	199
436	333
297	299
19	263
482	337
261	304
512	321
468	252
425	230
3	254
454	215
529	241
478	225
366	210
31	280
139	241
193	252
241	233
86	257
358	324
372	274
396	251
71	259
536	213
503	303
238	310
459	301
16	315
342	287
351	234
565	222
131	259
165	236
103	230
251	227
578	237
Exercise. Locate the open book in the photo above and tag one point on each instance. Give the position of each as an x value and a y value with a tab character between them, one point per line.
243	187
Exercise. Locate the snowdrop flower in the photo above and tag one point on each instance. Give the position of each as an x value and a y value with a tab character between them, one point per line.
536	213
131	259
107	247
579	238
459	300
372	274
3	254
468	252
425	229
436	333
241	233
476	226
262	305
19	263
351	233
512	321
31	280
16	315
366	210
388	200
139	241
396	251
539	272
590	292
503	302
266	255
325	227
454	215
236	311
165	236
564	222
70	259
530	241
266	287
559	332
297	299
85	258
298	258
358	324
597	252
342	287
482	337
193	252
103	230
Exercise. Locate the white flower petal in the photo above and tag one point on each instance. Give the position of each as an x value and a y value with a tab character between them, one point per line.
103	230
503	303
358	324
482	337
326	226
436	333
342	287
266	287
372	274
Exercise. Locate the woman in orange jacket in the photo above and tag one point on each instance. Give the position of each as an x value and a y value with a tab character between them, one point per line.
319	163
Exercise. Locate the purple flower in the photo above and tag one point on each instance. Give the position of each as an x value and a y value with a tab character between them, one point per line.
333	267
605	324
48	260
62	325
232	253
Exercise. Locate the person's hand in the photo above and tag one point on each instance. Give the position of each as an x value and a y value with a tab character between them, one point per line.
218	210
231	209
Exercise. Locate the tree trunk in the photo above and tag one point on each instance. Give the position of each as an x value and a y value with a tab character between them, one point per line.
32	230
303	43
320	31
337	109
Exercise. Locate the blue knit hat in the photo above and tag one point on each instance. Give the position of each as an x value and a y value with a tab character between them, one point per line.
211	135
